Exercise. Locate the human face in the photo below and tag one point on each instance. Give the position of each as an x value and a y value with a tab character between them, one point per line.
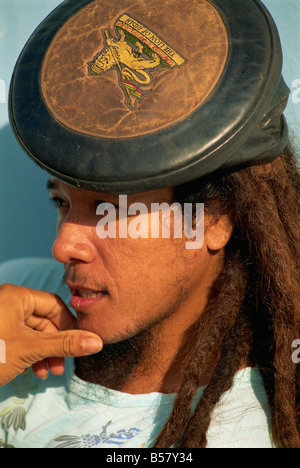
121	286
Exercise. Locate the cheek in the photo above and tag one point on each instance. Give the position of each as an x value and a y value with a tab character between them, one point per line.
147	267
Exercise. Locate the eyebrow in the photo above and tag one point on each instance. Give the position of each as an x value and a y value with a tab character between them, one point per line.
51	184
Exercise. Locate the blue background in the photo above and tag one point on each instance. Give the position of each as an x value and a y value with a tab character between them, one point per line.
27	226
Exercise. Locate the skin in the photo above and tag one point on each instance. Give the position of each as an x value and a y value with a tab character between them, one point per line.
31	324
148	283
144	283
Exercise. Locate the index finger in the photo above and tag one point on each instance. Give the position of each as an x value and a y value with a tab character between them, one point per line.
43	305
38	306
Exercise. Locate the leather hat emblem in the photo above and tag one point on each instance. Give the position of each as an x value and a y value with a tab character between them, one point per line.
134	55
121	69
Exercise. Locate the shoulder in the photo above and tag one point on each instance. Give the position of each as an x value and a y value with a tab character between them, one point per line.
242	417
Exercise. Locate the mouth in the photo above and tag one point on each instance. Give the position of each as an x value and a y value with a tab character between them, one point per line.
83	298
87	294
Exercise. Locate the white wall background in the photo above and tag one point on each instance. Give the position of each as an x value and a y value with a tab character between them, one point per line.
27	221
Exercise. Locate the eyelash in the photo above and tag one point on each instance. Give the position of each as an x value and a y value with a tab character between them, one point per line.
57	202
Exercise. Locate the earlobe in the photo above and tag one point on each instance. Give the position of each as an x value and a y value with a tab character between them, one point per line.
218	233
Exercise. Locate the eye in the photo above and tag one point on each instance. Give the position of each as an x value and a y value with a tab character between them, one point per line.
59	203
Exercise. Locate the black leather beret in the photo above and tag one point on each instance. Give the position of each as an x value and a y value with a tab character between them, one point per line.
126	96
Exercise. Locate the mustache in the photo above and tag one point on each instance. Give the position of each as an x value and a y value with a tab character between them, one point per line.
82	280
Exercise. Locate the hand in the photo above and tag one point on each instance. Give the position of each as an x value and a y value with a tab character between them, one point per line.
36	328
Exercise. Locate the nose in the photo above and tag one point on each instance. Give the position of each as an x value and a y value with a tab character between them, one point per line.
73	244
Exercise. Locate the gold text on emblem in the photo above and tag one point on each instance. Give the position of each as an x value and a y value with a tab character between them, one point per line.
134	54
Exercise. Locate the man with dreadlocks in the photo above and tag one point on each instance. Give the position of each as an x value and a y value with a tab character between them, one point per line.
174	342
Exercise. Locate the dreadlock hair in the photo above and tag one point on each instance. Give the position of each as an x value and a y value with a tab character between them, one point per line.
254	305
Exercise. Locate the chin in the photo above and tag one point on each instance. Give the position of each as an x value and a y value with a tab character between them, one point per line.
108	333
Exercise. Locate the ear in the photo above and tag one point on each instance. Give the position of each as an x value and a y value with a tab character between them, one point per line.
218	232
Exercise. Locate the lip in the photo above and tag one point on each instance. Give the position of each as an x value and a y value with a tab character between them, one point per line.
80	303
77	302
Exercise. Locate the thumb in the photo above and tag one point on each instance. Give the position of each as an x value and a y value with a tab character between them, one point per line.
70	343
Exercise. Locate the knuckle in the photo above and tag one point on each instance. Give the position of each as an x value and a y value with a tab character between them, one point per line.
11	290
6	287
68	344
12	287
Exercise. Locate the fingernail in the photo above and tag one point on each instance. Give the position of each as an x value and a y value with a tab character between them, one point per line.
91	345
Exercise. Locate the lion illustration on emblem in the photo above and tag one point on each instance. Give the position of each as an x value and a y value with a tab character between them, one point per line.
135	53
